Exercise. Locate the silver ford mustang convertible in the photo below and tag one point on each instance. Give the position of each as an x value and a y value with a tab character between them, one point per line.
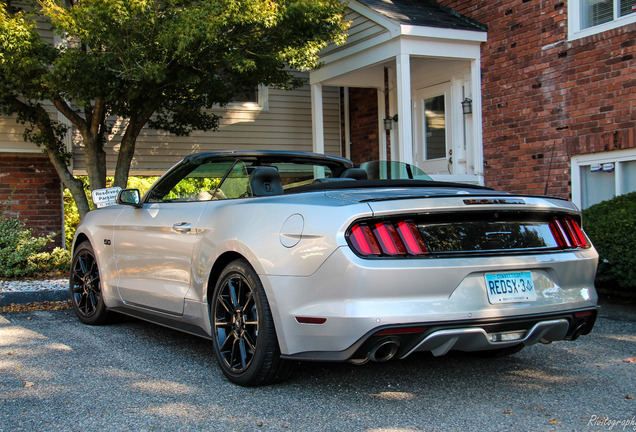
285	256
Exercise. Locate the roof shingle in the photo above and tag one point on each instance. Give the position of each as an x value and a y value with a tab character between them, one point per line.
426	13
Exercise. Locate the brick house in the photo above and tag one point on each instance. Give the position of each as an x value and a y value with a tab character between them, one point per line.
559	96
558	92
517	95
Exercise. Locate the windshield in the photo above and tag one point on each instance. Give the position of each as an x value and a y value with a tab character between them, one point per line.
385	170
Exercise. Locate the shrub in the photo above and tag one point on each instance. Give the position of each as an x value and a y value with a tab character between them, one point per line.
22	254
610	225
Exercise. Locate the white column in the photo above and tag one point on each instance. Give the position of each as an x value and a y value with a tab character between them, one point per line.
317	119
404	124
478	146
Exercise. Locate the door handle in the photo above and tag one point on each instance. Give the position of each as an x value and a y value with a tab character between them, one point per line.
182	227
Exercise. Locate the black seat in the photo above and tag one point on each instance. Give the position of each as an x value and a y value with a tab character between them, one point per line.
355	173
265	181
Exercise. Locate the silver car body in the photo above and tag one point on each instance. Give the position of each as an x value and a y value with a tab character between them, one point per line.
159	261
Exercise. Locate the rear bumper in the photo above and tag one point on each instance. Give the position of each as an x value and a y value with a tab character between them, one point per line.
353	298
477	335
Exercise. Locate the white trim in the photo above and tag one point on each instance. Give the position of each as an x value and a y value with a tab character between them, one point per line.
444	33
574	22
617	156
345	61
35	149
261	105
347	122
391	25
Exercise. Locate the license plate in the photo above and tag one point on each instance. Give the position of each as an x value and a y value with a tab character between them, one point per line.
510	287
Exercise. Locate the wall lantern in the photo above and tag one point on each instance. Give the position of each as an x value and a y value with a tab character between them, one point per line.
467	106
388	122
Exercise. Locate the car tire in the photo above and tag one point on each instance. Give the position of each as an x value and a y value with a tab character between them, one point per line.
243	329
85	286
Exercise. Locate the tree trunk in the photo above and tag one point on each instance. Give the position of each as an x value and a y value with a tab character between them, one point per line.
127	147
73	184
95	158
52	146
91	128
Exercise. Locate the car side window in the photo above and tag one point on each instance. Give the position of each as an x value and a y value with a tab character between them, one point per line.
203	183
236	183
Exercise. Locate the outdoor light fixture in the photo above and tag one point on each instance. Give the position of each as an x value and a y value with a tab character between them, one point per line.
467	106
388	122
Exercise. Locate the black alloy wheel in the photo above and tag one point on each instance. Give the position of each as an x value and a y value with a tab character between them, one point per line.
236	323
243	330
85	286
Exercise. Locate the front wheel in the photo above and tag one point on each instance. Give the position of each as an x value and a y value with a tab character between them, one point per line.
243	329
85	286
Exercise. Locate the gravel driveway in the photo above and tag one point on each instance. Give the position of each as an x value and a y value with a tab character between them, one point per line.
57	374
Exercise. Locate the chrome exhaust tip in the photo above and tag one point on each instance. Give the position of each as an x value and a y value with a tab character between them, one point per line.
383	351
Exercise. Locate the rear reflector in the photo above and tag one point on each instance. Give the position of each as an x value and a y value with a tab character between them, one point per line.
582	314
311	320
400	330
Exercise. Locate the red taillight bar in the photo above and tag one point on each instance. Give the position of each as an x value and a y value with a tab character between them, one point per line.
387	239
363	240
568	234
411	238
578	236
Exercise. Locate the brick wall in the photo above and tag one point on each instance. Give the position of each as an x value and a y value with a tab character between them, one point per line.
363	111
546	99
37	192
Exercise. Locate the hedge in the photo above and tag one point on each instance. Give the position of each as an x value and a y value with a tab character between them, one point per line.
611	225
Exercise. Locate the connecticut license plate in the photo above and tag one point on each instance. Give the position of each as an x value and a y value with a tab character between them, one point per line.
510	287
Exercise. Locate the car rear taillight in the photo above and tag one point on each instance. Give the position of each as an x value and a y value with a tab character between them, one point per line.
568	233
387	239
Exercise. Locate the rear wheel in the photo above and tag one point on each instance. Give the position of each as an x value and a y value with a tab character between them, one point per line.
243	329
85	286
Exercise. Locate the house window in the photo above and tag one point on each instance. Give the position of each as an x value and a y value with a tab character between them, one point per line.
587	17
256	99
602	176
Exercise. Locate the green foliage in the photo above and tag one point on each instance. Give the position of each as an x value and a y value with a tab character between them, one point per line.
71	214
161	64
611	227
23	255
191	186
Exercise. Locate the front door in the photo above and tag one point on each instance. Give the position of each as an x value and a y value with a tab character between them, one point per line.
431	123
154	246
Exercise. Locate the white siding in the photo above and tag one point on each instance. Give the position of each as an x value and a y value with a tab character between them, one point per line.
362	29
284	124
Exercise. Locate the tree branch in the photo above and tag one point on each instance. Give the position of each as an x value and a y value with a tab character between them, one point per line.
70	114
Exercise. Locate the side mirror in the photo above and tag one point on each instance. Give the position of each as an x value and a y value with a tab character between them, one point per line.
129	197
